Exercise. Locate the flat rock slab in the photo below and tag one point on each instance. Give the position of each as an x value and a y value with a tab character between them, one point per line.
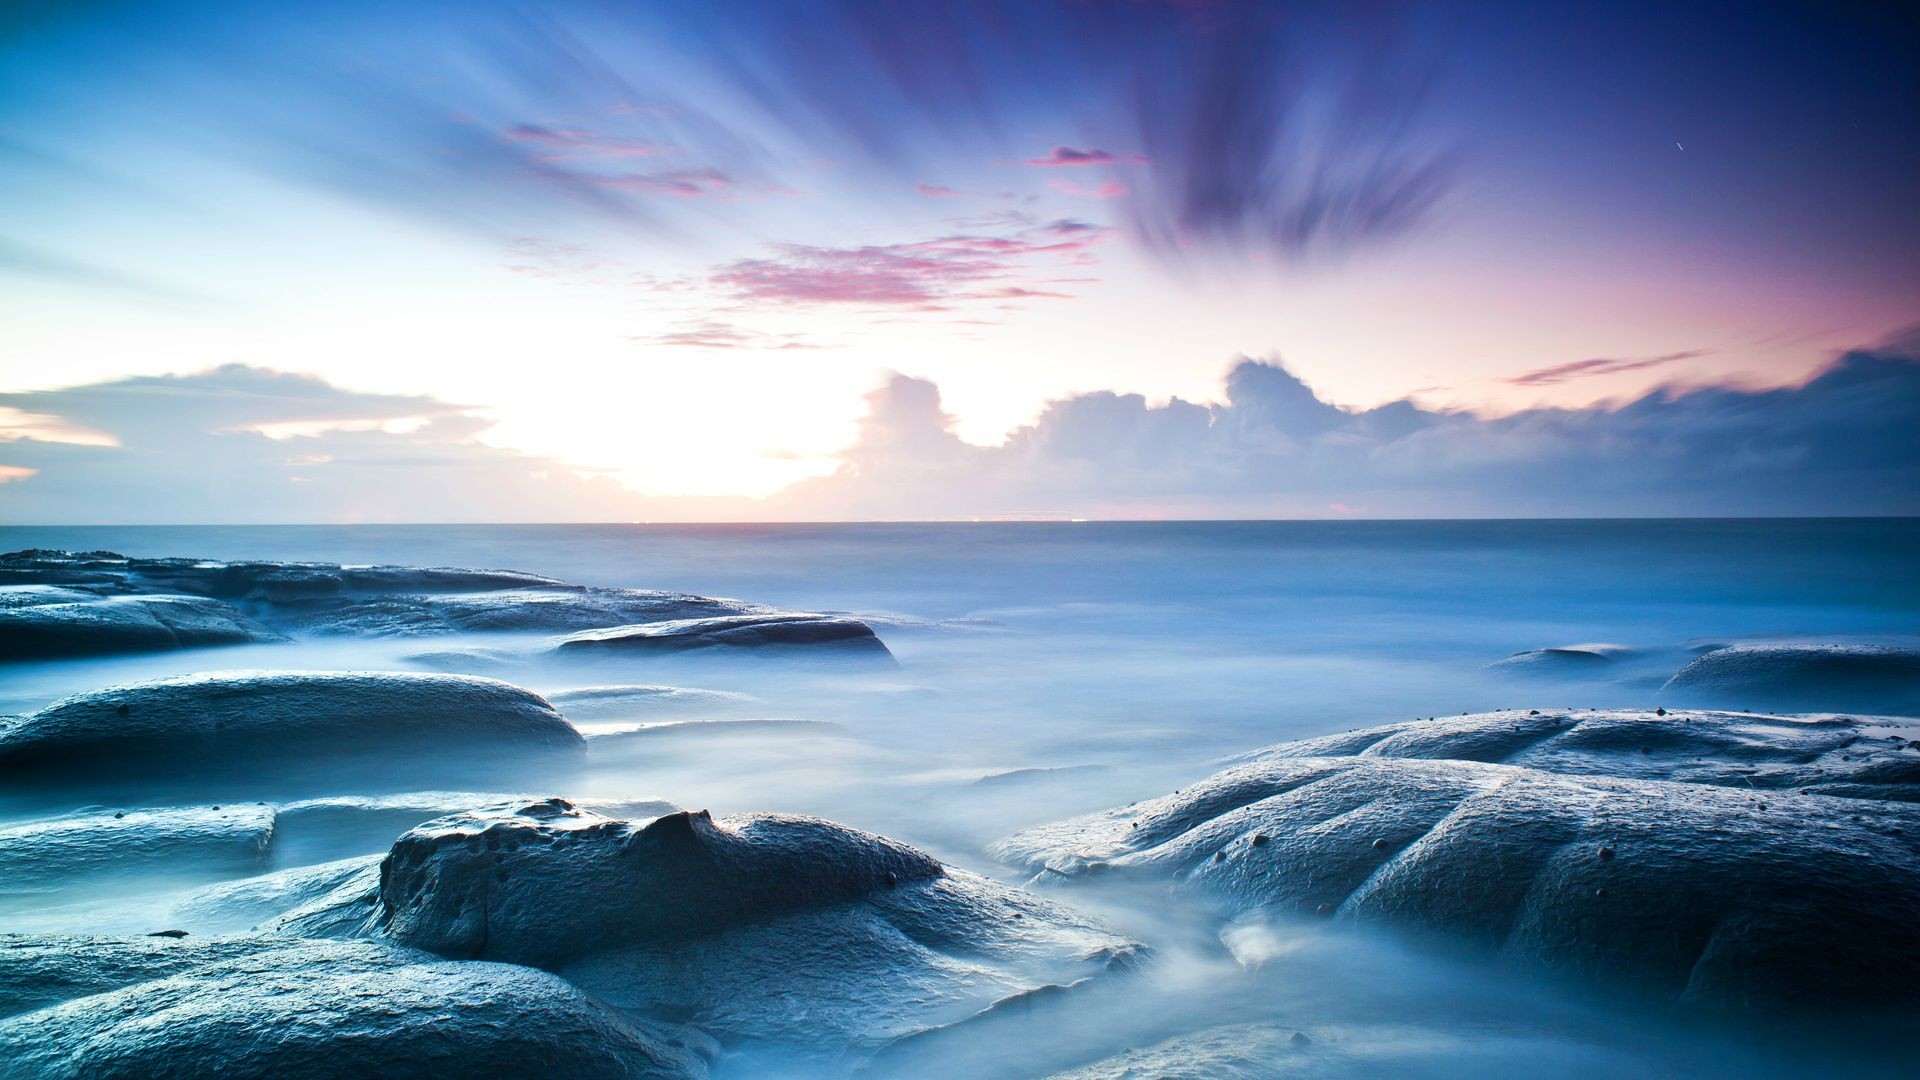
1266	1051
38	624
268	1007
253	721
1868	678
1822	754
779	631
62	604
73	851
1693	893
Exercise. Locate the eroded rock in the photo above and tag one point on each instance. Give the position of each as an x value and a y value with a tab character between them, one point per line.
1828	755
222	723
1869	678
73	851
1688	892
267	1007
781	631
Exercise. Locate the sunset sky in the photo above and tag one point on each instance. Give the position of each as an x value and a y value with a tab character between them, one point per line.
764	253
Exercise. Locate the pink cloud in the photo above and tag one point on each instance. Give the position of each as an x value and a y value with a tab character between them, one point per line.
680	183
1108	190
565	143
925	276
936	191
1068	156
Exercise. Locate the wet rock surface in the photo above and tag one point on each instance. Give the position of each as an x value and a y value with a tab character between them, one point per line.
62	604
265	1007
752	926
778	631
1869	678
1824	754
41	622
244	721
1684	892
67	853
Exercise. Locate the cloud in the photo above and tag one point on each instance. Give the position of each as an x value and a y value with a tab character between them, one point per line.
1251	126
682	183
579	143
1583	369
1068	156
1110	189
715	334
1839	444
924	274
194	449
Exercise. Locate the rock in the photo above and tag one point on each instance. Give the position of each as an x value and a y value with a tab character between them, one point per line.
322	828
272	1008
1707	901
279	722
63	604
754	926
546	610
1268	1051
623	702
1827	755
306	901
1866	678
38	623
578	881
781	632
76	851
1564	659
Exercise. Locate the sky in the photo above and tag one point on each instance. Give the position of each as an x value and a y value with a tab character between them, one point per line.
349	261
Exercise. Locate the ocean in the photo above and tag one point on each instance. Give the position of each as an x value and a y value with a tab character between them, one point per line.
1049	669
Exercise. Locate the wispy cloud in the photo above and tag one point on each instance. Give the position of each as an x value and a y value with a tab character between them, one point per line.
564	143
1111	189
925	274
1586	369
1067	156
716	334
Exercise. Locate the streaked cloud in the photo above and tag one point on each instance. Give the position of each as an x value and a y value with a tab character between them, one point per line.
1586	369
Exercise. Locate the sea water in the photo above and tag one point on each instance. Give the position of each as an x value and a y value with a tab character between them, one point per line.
1047	669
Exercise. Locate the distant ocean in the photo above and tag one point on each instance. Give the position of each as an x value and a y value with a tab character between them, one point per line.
1234	632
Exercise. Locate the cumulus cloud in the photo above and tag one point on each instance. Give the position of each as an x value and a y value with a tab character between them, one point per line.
200	448
1841	443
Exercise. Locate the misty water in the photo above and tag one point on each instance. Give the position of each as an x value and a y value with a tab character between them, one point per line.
1050	669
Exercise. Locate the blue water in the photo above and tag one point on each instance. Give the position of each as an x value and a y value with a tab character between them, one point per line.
1138	653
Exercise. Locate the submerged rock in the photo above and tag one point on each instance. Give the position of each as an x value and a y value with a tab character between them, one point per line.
264	1007
1694	893
621	702
1563	659
57	603
1869	678
547	610
780	631
243	722
1268	1051
41	622
74	851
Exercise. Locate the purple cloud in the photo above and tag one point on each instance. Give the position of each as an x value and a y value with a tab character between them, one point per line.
1068	156
1584	369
